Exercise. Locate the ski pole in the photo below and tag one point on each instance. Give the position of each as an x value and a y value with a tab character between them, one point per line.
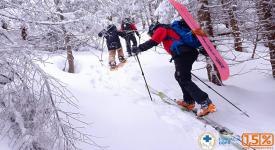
102	49
144	78
221	96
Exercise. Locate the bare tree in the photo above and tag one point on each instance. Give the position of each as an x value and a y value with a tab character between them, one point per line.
30	113
230	7
67	40
264	12
205	21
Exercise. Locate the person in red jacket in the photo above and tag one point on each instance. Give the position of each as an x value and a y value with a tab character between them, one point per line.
129	28
183	64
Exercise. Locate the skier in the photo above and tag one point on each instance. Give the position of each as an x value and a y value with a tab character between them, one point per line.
113	44
183	64
129	28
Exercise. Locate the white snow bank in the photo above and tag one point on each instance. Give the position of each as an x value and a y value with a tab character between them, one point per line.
123	116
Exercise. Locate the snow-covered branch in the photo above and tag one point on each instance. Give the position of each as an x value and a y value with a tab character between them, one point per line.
32	106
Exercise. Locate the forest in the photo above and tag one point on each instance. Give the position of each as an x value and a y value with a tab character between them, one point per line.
38	111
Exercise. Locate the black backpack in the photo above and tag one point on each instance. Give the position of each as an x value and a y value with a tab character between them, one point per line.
126	26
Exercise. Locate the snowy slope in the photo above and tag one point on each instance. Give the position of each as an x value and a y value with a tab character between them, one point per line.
123	117
121	111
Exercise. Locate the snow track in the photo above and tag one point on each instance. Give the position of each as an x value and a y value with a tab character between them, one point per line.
118	105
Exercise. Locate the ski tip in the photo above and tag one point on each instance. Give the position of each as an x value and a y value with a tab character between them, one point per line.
224	73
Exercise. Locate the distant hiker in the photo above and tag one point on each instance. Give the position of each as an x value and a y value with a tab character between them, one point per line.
113	44
129	28
184	56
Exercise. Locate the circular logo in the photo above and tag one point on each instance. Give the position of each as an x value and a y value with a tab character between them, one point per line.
207	141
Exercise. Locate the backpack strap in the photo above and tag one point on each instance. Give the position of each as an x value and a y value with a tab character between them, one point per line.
169	38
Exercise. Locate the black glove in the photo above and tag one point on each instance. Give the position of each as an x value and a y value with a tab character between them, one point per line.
135	50
102	33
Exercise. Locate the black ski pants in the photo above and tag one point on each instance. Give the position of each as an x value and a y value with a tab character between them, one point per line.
130	38
191	92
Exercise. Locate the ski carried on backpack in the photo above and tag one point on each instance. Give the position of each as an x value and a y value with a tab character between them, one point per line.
205	42
225	134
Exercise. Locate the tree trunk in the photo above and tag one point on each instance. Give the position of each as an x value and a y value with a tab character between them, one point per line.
68	46
151	12
264	12
70	56
24	32
142	20
255	43
205	22
231	9
147	18
205	18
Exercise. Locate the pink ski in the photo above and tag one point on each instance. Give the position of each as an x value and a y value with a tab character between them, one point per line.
205	42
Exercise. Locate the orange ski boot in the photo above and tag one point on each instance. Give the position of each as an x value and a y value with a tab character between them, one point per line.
205	110
185	105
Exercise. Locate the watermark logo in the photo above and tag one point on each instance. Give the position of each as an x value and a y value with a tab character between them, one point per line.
227	140
258	140
207	141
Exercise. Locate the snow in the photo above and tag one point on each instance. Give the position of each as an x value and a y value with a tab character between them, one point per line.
116	104
4	144
122	117
120	109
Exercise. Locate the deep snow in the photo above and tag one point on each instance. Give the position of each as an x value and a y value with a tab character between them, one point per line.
122	116
118	105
